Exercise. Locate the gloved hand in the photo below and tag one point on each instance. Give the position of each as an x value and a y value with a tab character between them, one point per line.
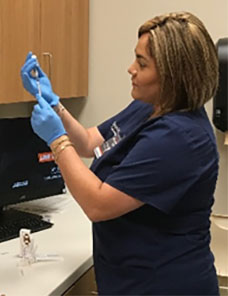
30	81
45	122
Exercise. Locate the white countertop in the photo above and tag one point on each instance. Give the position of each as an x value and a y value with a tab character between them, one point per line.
70	238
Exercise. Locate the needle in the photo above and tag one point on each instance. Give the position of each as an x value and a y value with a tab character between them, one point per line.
38	82
37	77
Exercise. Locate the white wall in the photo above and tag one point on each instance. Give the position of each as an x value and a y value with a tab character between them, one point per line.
113	36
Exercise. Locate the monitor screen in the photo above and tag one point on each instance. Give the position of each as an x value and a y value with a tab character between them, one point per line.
27	167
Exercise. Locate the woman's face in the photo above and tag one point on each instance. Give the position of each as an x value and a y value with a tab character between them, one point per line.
144	75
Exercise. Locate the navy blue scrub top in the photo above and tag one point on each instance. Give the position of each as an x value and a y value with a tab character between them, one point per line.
171	164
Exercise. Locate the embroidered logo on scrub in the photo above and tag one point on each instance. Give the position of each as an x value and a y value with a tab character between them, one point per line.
107	145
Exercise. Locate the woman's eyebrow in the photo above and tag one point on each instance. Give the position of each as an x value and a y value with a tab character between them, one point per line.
139	56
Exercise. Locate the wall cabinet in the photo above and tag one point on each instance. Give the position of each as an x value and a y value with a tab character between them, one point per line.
57	32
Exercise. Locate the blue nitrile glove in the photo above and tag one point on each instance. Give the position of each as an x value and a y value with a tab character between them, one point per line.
45	122
30	81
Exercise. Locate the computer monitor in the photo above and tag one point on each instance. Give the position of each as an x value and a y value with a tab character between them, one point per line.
27	167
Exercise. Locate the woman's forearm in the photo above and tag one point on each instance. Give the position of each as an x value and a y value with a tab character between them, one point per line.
84	140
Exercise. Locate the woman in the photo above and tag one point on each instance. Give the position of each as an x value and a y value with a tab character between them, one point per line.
150	189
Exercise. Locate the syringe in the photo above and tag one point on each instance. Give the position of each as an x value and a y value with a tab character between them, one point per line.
37	77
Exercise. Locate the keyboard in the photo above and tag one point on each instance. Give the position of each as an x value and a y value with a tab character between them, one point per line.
11	221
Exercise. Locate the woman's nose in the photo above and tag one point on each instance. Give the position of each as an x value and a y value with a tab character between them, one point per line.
131	70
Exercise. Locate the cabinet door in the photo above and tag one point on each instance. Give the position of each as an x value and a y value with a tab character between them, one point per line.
19	33
64	45
85	285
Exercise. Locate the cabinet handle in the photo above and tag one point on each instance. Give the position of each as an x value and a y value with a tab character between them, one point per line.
49	55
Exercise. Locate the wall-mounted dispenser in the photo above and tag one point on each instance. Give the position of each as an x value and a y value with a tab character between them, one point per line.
220	101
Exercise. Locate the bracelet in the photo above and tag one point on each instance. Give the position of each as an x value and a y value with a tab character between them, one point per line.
63	147
58	142
59	108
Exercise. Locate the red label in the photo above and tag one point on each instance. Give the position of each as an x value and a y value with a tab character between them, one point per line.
45	157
